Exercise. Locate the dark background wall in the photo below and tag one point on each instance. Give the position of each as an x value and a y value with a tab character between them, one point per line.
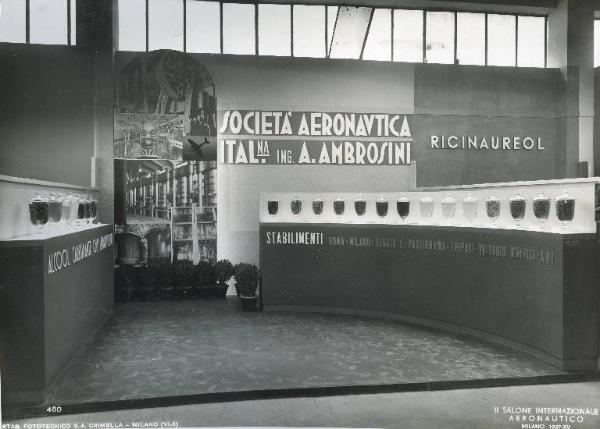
486	101
46	113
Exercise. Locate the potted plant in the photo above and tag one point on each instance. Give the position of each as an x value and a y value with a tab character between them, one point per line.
164	280
124	282
204	277
183	277
246	278
224	271
146	285
136	278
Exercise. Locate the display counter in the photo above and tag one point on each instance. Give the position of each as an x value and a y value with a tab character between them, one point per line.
56	292
513	263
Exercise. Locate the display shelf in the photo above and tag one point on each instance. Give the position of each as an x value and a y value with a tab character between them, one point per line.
570	207
49	233
18	192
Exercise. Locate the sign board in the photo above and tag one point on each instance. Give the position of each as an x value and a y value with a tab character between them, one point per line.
322	138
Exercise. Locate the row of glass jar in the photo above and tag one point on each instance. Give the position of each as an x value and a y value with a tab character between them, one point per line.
62	210
565	207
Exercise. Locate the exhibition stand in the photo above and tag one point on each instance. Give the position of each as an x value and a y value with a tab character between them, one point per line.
56	293
513	263
56	281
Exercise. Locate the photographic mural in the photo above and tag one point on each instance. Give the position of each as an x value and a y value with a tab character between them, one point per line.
165	161
148	136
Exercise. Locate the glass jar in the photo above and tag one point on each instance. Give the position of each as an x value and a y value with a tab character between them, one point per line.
426	207
518	206
541	207
381	205
38	211
469	205
339	205
565	209
73	209
403	207
93	209
317	206
54	209
272	207
67	202
448	207
81	209
360	205
493	207
87	209
296	206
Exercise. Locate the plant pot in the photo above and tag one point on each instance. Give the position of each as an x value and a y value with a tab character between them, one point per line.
220	290
248	302
203	292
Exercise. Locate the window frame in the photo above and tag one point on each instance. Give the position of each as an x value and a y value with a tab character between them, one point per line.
326	7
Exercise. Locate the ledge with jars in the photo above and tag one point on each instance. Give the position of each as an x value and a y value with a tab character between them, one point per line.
512	263
36	209
56	214
555	206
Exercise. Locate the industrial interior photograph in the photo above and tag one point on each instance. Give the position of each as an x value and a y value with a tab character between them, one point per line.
312	213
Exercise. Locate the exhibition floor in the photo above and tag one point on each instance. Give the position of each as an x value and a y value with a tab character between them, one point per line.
192	347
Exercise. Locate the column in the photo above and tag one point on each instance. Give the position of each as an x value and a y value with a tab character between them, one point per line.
185	189
164	201
151	186
135	198
201	199
168	184
174	190
571	48
94	27
156	190
143	194
190	167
